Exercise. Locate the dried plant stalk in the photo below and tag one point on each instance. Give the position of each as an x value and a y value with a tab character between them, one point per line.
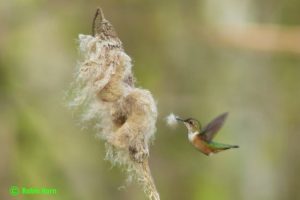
104	93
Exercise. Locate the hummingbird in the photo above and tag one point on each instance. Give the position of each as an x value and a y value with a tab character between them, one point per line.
201	138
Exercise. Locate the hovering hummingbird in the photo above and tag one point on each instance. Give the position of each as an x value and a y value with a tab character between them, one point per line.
201	138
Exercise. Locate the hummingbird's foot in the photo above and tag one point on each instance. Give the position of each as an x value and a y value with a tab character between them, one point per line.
138	153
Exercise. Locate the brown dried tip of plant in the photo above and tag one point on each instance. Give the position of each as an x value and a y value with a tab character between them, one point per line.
104	95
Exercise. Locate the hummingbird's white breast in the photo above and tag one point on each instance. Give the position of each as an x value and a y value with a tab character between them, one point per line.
192	135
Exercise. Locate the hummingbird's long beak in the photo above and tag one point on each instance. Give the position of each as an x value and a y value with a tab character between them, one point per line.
179	119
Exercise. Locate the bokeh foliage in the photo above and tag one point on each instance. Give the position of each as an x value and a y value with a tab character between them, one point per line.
190	73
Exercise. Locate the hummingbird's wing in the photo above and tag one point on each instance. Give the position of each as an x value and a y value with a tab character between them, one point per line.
211	129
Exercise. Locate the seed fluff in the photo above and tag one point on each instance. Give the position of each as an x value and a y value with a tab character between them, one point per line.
171	120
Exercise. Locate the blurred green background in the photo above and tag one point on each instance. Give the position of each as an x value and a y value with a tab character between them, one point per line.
199	58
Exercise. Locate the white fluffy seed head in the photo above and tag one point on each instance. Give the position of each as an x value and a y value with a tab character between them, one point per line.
171	120
104	96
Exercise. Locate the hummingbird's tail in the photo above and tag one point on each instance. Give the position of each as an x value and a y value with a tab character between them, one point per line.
217	147
228	146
